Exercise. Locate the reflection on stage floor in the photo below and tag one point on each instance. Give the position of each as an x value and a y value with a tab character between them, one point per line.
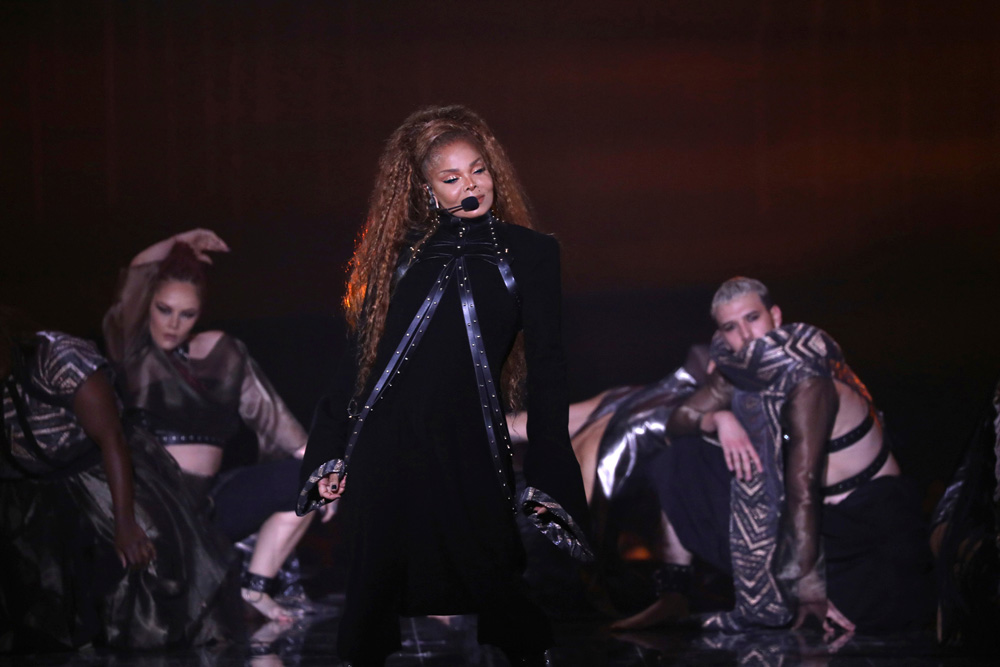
581	601
451	642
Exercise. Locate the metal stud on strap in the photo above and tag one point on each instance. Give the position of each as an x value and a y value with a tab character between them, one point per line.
493	419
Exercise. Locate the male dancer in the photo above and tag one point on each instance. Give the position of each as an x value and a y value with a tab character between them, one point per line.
802	503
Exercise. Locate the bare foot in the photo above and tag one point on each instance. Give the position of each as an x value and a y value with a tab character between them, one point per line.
671	606
266	605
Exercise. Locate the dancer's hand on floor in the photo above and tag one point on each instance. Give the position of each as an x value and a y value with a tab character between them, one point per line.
834	617
827	613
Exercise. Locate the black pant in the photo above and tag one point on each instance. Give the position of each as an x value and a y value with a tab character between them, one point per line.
243	498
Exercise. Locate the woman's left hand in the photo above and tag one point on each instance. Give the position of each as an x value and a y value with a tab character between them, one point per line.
332	486
134	548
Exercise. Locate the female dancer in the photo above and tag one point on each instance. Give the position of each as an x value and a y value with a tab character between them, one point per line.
446	274
192	389
99	540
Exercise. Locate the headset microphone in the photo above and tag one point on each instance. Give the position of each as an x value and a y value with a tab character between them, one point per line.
470	203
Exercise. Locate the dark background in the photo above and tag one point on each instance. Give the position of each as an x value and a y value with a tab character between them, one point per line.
844	152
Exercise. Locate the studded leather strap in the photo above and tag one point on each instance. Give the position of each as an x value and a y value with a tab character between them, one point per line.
493	419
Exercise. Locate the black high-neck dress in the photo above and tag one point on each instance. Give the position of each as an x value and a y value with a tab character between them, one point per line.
431	521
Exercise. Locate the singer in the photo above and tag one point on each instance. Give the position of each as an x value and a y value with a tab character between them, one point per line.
454	305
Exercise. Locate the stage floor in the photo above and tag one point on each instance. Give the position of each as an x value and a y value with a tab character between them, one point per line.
452	643
582	602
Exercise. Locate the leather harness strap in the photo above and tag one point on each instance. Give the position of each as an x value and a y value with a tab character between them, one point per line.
493	417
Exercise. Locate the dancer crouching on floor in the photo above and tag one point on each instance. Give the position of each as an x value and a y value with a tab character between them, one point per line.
192	390
804	463
446	276
100	543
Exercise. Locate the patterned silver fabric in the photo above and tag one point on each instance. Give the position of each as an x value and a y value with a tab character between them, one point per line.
557	525
638	428
765	566
57	369
308	500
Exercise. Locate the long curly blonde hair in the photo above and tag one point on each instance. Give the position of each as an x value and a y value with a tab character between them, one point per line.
400	207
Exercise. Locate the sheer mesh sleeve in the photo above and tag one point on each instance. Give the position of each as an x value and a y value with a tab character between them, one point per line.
125	320
717	394
808	419
263	410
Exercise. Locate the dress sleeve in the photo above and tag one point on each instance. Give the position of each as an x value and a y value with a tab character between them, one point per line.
124	322
329	431
64	364
808	418
717	394
549	463
261	408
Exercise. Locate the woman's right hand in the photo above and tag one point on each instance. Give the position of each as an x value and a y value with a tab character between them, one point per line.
332	486
741	456
202	241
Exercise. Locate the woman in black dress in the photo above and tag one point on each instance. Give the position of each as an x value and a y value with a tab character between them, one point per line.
447	276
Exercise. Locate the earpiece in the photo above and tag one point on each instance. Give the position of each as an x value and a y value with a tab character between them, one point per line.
430	193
